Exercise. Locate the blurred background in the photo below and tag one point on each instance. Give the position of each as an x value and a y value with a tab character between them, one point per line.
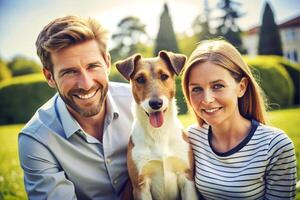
267	33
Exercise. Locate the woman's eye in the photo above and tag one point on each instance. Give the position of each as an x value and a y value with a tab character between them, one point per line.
196	89
164	77
218	86
141	80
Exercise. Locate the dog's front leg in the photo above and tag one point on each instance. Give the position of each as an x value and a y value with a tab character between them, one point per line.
143	192
187	188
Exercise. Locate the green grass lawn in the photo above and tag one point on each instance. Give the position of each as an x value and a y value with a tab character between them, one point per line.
11	176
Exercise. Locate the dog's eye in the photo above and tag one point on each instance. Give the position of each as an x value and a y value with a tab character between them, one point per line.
141	80
164	77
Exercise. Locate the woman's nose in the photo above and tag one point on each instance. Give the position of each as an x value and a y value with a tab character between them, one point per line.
208	97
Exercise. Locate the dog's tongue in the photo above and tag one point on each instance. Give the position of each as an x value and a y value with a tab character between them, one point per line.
156	119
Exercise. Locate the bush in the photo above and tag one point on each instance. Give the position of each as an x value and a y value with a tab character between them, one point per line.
21	97
115	75
274	80
21	66
294	71
4	71
180	100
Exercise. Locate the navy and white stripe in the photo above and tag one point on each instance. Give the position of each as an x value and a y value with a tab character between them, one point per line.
262	166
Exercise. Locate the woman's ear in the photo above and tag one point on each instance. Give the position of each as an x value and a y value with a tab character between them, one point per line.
243	84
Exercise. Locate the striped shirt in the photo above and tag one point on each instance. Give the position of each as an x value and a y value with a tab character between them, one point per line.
262	166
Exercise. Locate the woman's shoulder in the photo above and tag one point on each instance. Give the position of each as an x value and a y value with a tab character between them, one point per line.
277	138
271	131
196	128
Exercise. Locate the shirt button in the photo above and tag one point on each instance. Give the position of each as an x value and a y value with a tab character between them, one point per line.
115	181
108	161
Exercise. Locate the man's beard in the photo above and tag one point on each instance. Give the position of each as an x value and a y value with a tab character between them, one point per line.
85	112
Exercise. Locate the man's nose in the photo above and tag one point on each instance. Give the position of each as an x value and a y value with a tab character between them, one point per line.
85	81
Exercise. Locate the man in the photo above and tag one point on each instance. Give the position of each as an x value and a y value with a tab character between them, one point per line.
74	147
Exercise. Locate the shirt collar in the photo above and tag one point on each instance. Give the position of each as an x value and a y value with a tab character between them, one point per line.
112	111
69	124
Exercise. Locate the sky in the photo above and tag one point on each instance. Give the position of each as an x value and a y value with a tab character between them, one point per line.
22	20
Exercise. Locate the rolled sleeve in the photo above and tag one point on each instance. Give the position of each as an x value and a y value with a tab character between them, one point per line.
43	177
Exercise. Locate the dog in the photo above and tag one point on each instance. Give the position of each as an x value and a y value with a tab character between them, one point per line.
159	157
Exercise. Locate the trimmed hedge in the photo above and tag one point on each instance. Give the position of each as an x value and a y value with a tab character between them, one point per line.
180	100
22	96
294	71
115	76
20	65
4	71
274	80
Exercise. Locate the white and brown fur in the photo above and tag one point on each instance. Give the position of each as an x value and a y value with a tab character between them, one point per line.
159	160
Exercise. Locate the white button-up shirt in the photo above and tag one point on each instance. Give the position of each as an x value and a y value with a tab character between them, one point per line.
61	161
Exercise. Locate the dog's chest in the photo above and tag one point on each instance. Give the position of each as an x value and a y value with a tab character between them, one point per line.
168	150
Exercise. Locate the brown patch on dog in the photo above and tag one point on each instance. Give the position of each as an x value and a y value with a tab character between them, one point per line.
132	170
152	73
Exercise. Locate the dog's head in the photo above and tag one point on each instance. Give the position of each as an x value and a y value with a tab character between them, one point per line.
153	81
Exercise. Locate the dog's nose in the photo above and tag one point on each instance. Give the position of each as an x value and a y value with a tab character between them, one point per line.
155	103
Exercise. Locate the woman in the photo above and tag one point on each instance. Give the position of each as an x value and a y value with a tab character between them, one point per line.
236	154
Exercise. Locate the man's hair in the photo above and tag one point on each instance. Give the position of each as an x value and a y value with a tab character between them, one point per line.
67	31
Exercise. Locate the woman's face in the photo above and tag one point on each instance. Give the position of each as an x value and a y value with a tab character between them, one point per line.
214	93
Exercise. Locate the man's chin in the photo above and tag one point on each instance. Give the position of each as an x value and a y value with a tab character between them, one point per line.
89	113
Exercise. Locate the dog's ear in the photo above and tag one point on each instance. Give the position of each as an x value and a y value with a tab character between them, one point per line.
176	61
126	67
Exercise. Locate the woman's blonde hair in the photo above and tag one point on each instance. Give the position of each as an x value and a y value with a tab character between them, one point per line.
251	104
66	31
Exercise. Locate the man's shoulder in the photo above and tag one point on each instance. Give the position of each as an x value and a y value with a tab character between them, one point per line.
44	119
120	89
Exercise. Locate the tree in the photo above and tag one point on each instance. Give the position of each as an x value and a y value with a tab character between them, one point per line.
130	33
269	38
201	25
228	27
20	65
166	39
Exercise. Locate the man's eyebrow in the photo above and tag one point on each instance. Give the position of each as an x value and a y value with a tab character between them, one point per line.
66	69
95	63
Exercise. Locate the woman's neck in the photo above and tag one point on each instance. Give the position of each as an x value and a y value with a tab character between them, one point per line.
229	134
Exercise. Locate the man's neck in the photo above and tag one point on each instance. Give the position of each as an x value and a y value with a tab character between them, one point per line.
92	125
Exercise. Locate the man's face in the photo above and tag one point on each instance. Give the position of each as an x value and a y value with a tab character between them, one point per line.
80	75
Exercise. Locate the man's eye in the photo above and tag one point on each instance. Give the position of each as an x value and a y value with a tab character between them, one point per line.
140	80
94	66
69	72
164	77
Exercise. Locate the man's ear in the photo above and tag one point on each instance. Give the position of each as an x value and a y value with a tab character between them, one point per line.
174	60
126	67
107	60
49	77
243	85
